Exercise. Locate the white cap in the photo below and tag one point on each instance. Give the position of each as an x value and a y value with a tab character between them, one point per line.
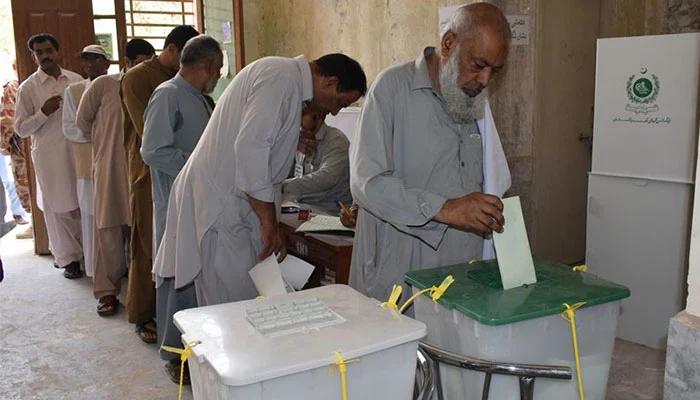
95	49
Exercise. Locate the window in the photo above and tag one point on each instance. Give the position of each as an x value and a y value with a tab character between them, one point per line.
118	21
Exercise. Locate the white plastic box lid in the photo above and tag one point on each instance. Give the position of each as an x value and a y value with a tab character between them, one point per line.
240	355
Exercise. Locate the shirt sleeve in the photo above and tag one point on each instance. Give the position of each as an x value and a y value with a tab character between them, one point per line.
70	109
135	95
158	146
27	120
333	168
372	181
267	110
88	108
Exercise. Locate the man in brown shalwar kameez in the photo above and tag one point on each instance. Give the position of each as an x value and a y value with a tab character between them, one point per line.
136	88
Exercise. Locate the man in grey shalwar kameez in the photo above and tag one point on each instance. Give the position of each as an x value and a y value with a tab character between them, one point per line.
175	118
416	166
222	213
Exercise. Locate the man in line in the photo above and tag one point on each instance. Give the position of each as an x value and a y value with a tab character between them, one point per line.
100	122
38	115
321	175
12	145
222	213
176	117
94	61
137	51
416	164
136	88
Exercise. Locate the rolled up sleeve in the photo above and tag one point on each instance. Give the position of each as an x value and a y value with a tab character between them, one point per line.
265	113
373	185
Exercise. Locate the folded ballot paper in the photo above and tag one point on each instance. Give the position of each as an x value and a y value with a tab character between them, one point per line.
272	278
513	248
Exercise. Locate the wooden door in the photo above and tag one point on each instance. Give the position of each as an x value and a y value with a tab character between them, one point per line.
71	22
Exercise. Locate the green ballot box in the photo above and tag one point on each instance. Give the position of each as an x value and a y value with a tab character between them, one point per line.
477	318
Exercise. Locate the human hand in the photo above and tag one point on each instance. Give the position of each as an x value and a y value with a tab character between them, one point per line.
272	243
476	212
307	144
51	105
348	216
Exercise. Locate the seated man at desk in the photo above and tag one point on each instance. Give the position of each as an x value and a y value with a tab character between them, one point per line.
321	174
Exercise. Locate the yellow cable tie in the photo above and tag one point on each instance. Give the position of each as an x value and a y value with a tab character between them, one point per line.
260	298
440	290
581	268
184	355
342	365
393	298
569	314
472	261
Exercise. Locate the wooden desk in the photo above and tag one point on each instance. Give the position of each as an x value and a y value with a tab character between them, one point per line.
320	249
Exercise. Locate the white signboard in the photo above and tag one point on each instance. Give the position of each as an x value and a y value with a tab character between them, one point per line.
519	25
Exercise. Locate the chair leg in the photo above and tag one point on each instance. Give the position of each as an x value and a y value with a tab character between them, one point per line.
527	387
487	386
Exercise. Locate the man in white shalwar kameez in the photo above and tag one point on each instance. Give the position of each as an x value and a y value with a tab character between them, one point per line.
38	115
222	213
425	152
95	61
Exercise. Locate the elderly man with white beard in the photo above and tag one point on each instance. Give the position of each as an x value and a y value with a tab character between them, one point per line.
417	166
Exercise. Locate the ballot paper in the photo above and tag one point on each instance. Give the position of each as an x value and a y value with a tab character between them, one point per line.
272	278
513	248
319	223
267	277
295	272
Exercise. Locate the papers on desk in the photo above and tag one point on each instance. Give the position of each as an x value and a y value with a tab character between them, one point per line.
513	248
271	278
321	223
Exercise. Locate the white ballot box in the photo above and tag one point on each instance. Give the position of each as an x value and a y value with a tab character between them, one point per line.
477	318
287	347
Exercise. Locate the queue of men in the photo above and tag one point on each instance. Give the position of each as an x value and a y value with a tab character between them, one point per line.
141	172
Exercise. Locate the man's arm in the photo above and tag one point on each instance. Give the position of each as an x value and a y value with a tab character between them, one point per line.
135	95
415	211
269	228
266	111
88	108
334	167
70	109
158	143
28	120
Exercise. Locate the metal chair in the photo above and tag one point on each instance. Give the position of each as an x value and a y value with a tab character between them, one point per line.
428	372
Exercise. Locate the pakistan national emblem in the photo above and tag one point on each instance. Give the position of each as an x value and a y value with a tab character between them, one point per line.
642	91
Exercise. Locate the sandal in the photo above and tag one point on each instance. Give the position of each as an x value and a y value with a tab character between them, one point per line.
172	368
72	271
146	333
107	305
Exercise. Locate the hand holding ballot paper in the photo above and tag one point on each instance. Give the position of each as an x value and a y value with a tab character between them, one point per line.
272	278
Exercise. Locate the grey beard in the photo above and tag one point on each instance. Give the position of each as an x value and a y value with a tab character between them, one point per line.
458	104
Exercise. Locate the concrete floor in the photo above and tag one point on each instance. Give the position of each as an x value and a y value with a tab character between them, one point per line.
54	346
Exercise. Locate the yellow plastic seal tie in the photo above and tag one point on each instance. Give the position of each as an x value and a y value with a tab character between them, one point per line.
581	268
472	262
184	355
260	298
569	314
440	290
393	298
342	365
435	293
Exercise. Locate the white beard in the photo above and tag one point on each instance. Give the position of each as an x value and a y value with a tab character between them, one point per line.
459	105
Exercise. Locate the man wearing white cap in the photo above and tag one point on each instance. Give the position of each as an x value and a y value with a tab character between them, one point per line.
94	61
38	115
